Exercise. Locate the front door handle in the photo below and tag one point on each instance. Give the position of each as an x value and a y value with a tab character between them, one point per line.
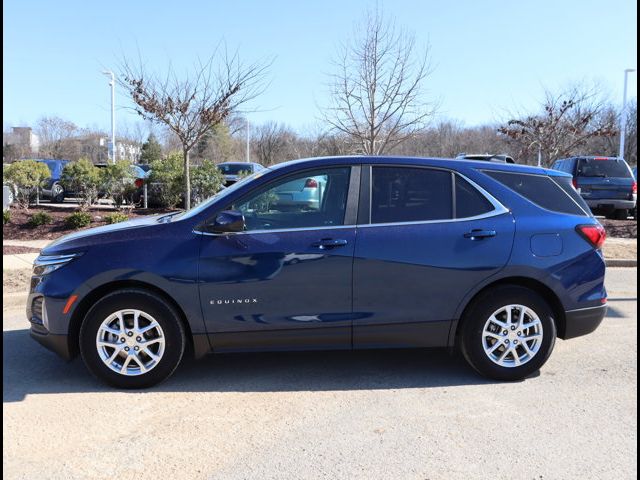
329	243
480	234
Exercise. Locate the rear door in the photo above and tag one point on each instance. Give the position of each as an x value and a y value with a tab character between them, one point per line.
428	238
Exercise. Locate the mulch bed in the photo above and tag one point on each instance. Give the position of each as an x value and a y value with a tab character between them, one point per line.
620	228
19	229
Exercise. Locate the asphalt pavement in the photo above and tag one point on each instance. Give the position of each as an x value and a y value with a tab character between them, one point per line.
380	414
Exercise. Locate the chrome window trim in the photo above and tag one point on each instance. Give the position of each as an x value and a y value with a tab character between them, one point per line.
493	213
499	209
275	230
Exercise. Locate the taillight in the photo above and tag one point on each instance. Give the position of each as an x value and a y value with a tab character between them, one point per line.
594	234
139	182
310	183
574	181
634	187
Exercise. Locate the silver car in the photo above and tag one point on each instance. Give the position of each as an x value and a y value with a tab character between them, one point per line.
234	171
300	194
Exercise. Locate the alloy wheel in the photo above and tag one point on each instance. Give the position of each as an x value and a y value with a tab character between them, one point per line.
130	342
512	336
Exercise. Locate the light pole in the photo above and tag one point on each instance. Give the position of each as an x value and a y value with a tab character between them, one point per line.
113	114
247	139
623	119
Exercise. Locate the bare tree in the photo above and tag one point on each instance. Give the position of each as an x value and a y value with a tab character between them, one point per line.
272	143
376	93
192	106
631	143
58	138
568	121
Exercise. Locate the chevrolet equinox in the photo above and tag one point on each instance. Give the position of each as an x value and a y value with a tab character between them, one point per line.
494	259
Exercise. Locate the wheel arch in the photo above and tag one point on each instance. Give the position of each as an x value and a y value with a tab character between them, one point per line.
195	346
537	286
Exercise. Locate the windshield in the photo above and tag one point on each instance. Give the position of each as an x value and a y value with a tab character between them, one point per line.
234	168
603	168
220	195
51	164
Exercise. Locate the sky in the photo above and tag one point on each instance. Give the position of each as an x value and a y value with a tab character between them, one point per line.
490	57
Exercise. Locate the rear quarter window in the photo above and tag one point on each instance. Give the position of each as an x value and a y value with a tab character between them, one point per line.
543	191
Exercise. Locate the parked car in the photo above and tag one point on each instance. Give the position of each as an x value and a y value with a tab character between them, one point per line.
53	189
302	193
495	259
140	177
233	171
488	157
606	183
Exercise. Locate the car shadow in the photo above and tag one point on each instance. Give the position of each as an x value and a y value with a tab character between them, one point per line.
29	369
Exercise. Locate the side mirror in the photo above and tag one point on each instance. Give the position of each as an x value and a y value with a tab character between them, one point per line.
228	221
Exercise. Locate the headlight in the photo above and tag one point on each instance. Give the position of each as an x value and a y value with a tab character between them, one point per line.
45	264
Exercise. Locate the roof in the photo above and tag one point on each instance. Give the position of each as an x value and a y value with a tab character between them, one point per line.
430	161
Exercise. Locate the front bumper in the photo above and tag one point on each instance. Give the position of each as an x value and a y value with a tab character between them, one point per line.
56	343
582	322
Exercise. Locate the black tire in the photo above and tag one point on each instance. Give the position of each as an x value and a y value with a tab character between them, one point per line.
621	214
57	193
471	339
149	303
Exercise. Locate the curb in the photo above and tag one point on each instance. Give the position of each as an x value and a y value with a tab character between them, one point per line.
630	262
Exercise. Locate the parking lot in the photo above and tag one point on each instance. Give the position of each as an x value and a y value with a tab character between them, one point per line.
377	414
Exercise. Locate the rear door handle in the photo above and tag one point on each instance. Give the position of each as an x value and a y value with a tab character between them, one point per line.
480	234
329	243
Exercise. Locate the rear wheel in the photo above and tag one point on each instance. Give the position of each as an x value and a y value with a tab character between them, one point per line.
132	339
621	214
508	333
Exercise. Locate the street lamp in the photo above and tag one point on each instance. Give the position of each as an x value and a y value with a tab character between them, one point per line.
248	138
623	119
113	114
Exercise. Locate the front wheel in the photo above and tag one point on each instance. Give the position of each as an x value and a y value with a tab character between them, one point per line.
508	333
57	193
132	339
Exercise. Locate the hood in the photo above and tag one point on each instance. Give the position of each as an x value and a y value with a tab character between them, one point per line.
91	235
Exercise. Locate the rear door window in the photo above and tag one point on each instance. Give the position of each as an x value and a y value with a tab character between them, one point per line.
405	194
469	201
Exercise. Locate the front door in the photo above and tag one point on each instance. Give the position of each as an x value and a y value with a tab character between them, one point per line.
285	282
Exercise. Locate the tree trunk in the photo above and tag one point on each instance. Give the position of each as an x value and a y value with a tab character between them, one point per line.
187	181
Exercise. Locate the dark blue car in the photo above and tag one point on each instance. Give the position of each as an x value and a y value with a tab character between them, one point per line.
607	184
53	189
495	259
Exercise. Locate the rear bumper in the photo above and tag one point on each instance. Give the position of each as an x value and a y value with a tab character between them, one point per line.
612	203
582	322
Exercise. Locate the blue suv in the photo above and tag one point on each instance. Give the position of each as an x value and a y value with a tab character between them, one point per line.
607	184
495	259
53	189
